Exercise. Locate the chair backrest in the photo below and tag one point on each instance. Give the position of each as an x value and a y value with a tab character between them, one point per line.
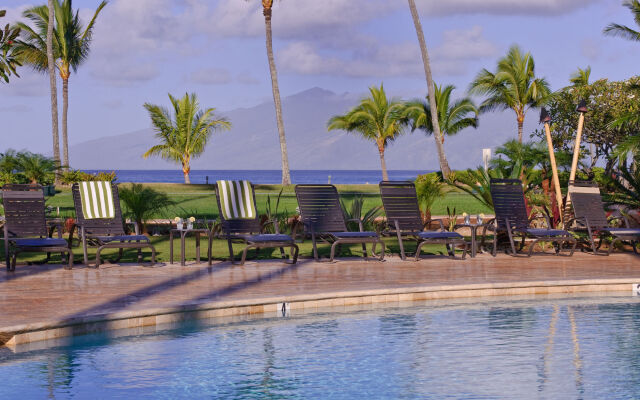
400	203
99	226
508	202
24	211
239	226
320	208
587	203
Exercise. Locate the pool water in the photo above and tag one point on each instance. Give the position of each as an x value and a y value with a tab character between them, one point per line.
516	348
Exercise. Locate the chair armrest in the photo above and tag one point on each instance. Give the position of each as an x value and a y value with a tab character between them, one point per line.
359	221
438	220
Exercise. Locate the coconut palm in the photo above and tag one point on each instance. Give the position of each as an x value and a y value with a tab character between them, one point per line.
185	133
70	47
376	119
580	77
442	159
622	30
513	86
267	10
452	118
8	60
52	81
37	168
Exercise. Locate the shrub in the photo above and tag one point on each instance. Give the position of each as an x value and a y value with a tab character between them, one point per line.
73	176
142	203
429	188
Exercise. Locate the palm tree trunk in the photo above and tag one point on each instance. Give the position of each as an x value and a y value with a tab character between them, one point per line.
52	84
520	127
383	164
286	176
65	110
437	134
186	168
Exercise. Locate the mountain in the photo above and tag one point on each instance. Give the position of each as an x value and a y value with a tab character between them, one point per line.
252	143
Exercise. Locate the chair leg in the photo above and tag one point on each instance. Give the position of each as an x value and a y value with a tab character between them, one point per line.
98	256
153	254
402	254
84	250
69	259
294	253
7	255
364	251
244	253
333	249
419	249
315	246
230	250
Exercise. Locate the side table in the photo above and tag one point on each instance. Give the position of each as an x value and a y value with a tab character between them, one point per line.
474	235
183	234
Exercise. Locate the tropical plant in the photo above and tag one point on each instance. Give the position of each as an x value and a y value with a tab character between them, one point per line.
429	188
624	31
70	47
267	11
580	77
376	119
9	161
452	219
8	60
452	117
607	102
354	211
141	203
444	165
185	133
37	168
512	86
74	175
477	182
274	216
626	187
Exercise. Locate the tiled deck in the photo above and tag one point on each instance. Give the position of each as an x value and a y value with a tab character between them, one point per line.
38	300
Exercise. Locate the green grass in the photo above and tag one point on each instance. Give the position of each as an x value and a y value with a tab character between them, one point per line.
199	200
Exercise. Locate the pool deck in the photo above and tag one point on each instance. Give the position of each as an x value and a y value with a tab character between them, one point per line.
41	302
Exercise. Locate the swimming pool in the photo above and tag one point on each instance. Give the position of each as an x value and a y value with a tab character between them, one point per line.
572	347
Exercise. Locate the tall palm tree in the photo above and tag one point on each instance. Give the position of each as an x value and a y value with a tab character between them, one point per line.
442	159
513	86
376	119
52	82
452	118
267	12
185	133
622	30
71	44
580	77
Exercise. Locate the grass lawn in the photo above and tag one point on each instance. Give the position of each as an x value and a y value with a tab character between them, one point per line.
199	201
219	251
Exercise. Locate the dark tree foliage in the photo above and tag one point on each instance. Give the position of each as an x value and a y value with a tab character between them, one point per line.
8	60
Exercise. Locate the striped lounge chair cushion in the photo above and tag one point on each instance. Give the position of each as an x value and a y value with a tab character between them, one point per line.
96	199
236	200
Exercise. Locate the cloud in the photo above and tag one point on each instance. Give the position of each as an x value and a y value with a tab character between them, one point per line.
500	7
18	108
30	84
112	104
370	58
210	76
124	74
246	78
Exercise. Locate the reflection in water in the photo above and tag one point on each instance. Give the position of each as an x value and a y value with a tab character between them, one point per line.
513	349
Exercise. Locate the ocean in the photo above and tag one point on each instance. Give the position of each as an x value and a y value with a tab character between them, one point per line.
263	176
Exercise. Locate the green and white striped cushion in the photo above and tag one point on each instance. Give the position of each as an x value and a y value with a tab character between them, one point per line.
236	199
96	199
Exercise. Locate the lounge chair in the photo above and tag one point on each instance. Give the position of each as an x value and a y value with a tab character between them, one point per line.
512	219
25	226
240	223
100	224
590	218
403	217
323	219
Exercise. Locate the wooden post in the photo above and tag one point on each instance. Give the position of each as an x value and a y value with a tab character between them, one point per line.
576	147
545	118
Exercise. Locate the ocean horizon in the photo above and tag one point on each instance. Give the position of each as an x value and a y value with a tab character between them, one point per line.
262	176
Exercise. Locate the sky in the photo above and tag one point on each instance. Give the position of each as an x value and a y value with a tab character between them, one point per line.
144	49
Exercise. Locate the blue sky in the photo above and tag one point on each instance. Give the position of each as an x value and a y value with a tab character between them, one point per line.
144	49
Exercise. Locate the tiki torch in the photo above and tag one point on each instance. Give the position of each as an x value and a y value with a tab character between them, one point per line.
582	109
545	118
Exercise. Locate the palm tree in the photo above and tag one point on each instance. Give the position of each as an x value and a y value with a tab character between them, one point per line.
513	86
8	59
267	11
52	81
442	159
37	168
376	119
184	134
71	44
452	118
580	77
622	30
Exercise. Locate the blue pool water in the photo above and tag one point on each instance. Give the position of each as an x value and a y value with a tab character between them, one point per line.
518	348
264	176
